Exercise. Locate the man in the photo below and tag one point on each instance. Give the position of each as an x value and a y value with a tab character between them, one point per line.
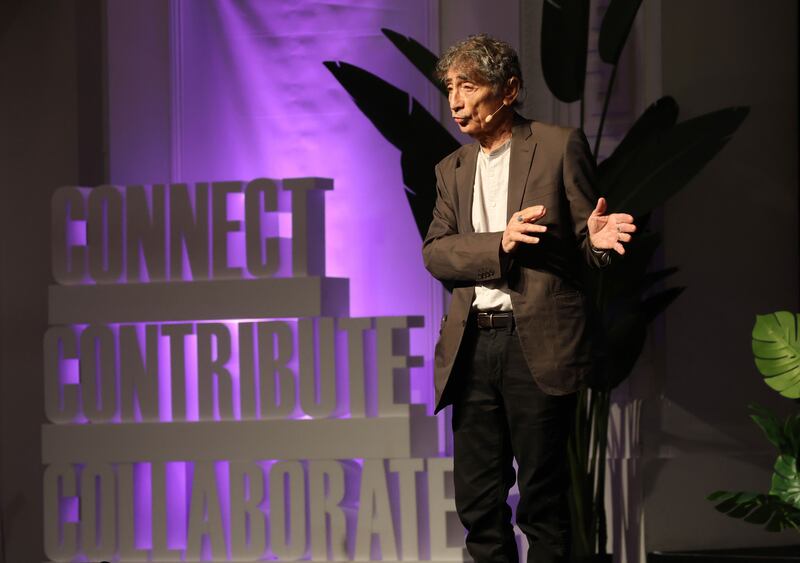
515	222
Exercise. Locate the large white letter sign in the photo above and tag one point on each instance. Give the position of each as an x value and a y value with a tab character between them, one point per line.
209	397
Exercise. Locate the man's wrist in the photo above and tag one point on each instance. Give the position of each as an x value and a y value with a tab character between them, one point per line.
603	255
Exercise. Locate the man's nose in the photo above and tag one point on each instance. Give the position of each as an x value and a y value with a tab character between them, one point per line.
456	101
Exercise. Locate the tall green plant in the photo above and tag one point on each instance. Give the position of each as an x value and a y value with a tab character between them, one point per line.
776	350
655	159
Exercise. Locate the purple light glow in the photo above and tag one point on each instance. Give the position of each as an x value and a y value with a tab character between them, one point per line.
76	233
257	102
165	413
142	505
233	368
176	502
192	404
222	472
237	256
284	225
70	510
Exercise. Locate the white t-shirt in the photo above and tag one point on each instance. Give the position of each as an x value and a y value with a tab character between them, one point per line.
489	207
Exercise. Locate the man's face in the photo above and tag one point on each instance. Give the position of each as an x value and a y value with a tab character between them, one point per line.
471	101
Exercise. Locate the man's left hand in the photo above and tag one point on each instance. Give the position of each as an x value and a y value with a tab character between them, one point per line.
609	232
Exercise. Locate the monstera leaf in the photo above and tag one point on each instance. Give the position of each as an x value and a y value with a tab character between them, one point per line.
768	510
776	349
786	480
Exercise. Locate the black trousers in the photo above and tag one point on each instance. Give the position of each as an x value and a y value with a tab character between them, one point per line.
500	414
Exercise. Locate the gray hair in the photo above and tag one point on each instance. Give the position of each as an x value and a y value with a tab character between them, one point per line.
491	60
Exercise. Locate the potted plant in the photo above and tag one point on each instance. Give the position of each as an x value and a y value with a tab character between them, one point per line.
776	350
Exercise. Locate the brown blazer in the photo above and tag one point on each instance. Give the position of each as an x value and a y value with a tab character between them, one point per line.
551	166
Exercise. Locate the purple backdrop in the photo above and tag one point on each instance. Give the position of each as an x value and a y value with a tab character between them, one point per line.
255	100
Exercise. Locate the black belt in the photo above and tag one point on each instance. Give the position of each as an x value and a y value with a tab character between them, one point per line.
496	319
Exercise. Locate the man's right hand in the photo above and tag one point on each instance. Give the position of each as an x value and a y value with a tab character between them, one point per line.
521	228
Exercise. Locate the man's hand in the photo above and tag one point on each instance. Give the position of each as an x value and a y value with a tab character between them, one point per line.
609	232
521	226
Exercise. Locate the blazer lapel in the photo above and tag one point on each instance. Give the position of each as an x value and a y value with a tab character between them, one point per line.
465	181
523	147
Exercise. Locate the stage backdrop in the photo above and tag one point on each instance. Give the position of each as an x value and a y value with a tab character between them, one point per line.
239	362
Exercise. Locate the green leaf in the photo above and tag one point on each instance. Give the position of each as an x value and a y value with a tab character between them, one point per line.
615	28
776	349
669	160
786	480
791	432
773	428
721	495
419	55
760	515
565	32
769	511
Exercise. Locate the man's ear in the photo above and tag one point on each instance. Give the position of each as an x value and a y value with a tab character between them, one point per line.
511	91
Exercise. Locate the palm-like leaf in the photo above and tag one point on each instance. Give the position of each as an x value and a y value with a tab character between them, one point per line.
776	349
668	161
418	55
767	510
620	292
421	139
615	28
620	282
565	31
656	119
625	337
786	480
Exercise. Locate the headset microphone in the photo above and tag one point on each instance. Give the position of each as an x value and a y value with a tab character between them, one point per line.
489	117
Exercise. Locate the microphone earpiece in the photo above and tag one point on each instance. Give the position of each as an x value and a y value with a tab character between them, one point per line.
490	116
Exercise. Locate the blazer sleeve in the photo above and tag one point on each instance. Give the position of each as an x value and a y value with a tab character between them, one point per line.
579	181
459	257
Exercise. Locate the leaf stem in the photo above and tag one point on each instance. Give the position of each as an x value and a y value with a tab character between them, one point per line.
582	112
